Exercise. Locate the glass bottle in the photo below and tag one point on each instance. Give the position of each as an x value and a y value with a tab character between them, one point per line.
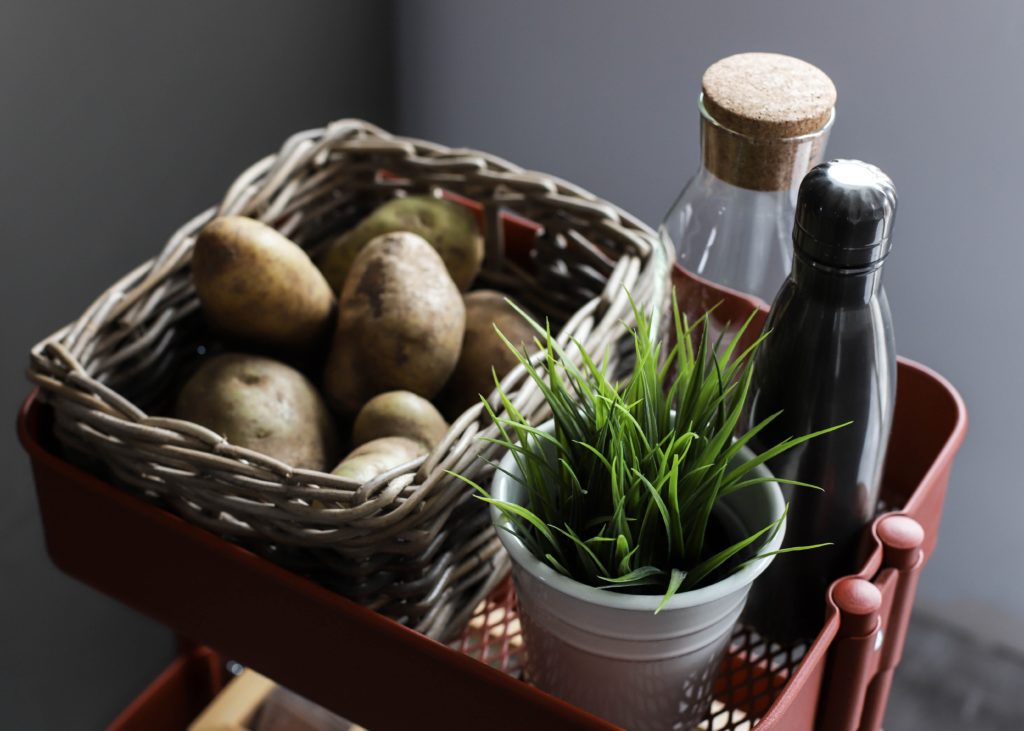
765	121
829	359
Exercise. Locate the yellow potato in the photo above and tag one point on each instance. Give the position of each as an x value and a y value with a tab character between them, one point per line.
253	283
377	456
263	405
400	324
399	414
450	228
483	350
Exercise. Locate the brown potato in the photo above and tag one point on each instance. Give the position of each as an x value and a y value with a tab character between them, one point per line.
400	324
256	284
483	350
399	414
263	405
379	455
447	226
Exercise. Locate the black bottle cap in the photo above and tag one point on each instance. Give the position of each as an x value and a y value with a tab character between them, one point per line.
844	214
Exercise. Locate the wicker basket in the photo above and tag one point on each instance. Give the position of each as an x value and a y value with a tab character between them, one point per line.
412	544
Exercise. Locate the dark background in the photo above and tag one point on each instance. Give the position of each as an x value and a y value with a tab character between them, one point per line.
122	120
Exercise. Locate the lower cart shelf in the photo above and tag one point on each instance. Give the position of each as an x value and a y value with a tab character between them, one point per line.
750	678
176	696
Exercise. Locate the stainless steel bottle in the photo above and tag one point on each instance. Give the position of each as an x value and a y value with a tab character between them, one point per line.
829	359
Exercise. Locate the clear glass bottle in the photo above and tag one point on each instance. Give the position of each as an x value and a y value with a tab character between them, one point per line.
765	121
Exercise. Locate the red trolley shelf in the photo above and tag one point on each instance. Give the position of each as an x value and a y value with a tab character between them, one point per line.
357	663
177	695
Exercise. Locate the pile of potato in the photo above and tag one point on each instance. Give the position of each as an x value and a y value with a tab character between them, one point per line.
387	302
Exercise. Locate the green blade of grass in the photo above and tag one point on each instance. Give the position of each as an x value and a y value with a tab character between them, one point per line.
675	581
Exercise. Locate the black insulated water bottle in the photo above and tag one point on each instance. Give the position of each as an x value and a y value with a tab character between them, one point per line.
828	359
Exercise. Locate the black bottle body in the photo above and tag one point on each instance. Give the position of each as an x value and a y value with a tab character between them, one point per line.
829	359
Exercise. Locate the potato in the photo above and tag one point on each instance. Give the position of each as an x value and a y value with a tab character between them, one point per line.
399	414
448	227
400	324
379	455
258	285
263	405
483	350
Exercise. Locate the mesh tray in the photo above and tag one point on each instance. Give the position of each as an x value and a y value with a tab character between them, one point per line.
750	678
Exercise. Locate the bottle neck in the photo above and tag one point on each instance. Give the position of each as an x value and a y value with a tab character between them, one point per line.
844	287
762	164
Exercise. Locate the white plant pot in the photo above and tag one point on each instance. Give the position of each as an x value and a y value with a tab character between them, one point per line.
608	652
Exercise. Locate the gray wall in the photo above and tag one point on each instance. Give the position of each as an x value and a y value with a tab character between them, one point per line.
603	94
120	121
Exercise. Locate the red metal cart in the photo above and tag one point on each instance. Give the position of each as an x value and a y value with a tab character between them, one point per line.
354	661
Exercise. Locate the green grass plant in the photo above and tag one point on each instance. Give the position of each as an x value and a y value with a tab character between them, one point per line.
621	495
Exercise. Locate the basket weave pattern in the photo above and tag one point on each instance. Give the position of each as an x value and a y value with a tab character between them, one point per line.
412	543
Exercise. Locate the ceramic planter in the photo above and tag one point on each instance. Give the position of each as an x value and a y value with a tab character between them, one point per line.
608	652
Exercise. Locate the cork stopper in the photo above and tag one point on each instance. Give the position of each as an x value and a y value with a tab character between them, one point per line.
766	118
768	95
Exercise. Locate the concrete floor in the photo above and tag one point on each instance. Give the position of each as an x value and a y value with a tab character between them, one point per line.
948	682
